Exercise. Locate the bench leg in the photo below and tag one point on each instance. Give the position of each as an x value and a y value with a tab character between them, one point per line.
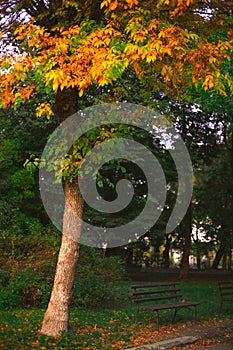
137	314
174	316
157	321
195	313
221	306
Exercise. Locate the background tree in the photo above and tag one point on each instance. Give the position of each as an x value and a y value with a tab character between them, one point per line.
215	187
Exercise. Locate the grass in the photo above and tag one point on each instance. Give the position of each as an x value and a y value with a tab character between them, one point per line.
110	328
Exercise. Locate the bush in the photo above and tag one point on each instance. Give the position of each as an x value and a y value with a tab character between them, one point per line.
32	282
27	273
25	288
96	277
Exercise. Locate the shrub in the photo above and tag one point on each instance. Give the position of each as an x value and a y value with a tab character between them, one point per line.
95	277
25	288
31	283
28	270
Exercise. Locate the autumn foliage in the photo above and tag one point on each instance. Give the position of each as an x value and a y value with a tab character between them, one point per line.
171	41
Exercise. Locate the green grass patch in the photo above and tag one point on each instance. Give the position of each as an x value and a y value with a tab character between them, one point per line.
114	328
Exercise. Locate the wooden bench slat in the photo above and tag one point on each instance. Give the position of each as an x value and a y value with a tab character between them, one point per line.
223	294
158	291
168	306
226	292
148	285
165	297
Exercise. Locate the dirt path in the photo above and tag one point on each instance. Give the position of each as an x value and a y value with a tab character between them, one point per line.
213	335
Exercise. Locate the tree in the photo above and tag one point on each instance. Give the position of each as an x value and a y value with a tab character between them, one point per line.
72	46
215	188
18	144
215	179
200	131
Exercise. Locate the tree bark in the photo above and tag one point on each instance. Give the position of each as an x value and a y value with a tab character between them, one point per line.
219	255
166	260
129	257
56	318
197	244
186	252
229	265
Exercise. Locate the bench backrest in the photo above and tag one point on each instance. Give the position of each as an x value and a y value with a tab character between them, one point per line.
226	289
156	292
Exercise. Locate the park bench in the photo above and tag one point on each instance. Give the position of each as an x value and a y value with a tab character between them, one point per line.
226	292
160	296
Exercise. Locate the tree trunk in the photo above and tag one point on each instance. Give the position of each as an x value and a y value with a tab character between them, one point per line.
116	251
187	245
56	318
166	260
231	155
219	255
129	257
197	244
229	265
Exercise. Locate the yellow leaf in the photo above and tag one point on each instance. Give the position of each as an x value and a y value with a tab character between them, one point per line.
208	83
55	84
137	68
151	58
81	91
212	60
44	109
104	3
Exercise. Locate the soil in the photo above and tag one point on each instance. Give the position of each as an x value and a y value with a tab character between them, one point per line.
213	335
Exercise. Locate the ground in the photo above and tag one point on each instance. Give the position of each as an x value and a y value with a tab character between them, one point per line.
215	334
212	335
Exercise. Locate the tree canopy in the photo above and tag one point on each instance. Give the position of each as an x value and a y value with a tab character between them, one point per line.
55	45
